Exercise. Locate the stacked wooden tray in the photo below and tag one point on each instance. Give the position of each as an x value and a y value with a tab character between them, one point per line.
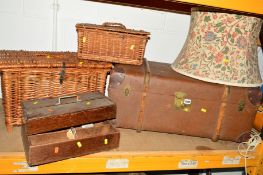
61	128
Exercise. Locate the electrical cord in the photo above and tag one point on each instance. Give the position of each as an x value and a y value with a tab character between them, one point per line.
249	146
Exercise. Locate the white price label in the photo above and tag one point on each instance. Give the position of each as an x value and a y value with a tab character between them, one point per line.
24	167
188	164
187	101
231	160
90	125
117	163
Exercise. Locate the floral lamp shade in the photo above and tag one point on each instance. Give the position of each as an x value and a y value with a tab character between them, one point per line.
221	48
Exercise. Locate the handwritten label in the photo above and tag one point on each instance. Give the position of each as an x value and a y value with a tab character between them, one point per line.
188	164
231	160
24	167
117	163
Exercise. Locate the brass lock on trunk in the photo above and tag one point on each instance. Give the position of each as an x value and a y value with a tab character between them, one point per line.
181	102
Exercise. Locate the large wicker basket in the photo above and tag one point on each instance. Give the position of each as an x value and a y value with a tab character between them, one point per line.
111	42
20	84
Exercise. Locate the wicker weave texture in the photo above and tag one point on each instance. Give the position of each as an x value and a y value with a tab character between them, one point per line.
111	43
33	59
27	84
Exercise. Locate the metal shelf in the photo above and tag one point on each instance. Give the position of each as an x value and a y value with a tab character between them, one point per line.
129	161
244	6
253	7
138	152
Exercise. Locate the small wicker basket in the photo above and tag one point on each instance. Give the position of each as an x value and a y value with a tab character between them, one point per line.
111	42
29	83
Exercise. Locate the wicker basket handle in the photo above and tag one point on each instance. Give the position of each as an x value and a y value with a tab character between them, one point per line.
114	24
69	96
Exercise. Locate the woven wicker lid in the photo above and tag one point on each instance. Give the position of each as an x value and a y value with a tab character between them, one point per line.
108	26
45	59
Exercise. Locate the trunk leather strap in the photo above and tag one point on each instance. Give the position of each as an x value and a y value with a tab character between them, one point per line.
221	113
144	94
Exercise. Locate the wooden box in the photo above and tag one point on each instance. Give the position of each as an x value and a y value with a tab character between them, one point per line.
54	146
49	114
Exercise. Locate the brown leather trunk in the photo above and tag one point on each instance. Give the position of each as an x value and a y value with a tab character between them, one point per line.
49	114
54	146
156	98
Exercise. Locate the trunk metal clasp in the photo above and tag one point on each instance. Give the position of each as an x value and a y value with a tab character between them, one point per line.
181	102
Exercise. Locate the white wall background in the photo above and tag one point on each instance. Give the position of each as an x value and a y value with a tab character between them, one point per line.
27	25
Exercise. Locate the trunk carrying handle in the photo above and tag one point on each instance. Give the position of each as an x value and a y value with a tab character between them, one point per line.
69	96
112	24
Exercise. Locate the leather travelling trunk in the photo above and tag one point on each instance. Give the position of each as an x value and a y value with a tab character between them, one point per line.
54	146
49	114
154	97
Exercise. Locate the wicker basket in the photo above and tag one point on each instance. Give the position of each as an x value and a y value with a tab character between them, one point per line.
111	42
27	84
33	81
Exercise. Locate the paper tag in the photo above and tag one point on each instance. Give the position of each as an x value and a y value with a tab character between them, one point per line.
187	101
88	103
117	163
56	149
25	167
90	125
71	133
132	47
188	164
203	110
79	144
84	39
226	60
231	160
